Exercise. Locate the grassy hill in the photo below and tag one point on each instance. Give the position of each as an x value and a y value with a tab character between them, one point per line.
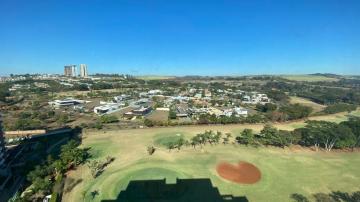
284	171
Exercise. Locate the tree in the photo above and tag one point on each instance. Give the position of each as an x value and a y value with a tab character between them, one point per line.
98	125
63	119
299	198
217	137
296	111
170	146
94	167
322	134
71	155
321	197
266	107
148	123
179	143
246	137
345	137
225	140
354	124
278	95
311	134
151	150
195	141
172	114
97	167
94	194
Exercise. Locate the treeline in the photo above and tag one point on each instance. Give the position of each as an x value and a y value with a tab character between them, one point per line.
317	134
334	196
213	119
209	119
321	92
201	139
4	91
340	107
330	96
284	113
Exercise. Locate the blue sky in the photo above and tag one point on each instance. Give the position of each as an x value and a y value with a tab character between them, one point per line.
185	37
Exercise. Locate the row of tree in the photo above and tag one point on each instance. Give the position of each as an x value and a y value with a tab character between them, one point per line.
339	107
213	119
319	134
334	196
209	119
199	140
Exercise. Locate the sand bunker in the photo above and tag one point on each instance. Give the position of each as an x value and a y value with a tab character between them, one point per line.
242	173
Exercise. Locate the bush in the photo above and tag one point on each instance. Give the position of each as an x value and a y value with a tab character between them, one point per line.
151	150
108	119
54	197
148	123
97	167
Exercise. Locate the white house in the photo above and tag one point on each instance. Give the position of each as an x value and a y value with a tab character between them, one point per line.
154	92
121	98
107	108
66	102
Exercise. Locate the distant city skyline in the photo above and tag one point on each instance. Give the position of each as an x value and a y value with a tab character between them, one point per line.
181	37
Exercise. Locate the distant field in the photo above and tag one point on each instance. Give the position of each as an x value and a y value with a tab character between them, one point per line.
154	77
306	102
284	171
309	78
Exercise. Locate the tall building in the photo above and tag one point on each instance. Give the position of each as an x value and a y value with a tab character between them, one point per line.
83	70
70	70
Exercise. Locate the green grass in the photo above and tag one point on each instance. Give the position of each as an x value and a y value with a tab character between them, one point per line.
355	113
284	171
309	78
163	139
306	102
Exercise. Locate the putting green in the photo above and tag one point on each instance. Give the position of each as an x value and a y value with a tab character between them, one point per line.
163	139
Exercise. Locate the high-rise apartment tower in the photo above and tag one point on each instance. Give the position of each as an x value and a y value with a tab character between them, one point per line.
70	70
83	70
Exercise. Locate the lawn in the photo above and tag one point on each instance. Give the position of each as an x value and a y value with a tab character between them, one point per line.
284	171
309	78
306	102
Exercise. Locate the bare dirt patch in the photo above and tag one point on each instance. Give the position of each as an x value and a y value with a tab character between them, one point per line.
242	173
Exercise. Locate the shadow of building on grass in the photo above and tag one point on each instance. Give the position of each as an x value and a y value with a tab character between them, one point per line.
184	190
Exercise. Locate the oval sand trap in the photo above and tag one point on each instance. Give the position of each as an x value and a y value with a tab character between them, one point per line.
242	173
